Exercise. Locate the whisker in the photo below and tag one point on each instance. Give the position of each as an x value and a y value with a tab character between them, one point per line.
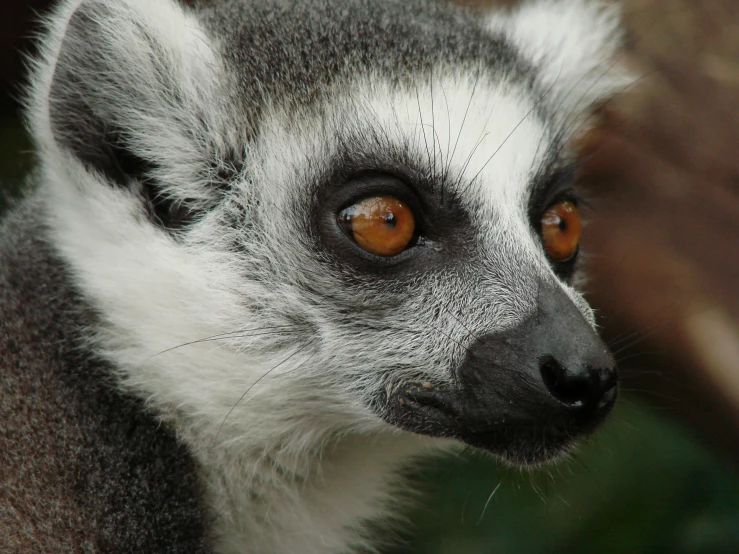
502	144
255	383
464	119
624	341
653	393
433	121
470	333
614	61
636	340
535	487
445	171
425	140
630	426
448	336
487	503
641	354
568	133
623	338
483	136
242	333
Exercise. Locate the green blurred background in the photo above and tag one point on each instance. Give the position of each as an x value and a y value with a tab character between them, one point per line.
643	483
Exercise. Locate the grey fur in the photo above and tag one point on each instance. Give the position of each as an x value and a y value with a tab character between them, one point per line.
313	45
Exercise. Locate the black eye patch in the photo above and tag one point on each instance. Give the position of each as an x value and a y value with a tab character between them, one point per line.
443	228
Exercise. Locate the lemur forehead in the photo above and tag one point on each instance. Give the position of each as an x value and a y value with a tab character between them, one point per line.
290	51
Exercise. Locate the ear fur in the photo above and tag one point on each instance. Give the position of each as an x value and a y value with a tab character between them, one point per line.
127	88
574	44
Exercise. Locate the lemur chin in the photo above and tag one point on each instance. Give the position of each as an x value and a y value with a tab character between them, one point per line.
279	249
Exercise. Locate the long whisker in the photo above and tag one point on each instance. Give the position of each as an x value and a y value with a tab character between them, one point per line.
255	383
447	335
568	133
433	121
483	136
464	119
635	338
484	509
524	118
445	172
242	333
613	62
642	354
470	333
652	393
420	117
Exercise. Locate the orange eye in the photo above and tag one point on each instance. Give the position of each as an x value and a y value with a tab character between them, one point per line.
560	231
382	225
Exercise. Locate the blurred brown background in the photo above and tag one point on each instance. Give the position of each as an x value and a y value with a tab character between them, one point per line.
666	237
662	168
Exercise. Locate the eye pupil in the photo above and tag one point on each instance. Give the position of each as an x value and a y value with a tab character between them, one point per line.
390	219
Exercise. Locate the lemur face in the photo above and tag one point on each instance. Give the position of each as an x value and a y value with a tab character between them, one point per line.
356	214
442	277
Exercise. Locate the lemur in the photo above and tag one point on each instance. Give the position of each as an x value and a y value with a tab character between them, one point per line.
277	251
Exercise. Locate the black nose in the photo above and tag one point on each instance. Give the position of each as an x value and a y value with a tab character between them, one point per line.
551	370
524	393
582	388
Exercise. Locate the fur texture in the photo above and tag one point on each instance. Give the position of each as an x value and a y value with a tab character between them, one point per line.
83	468
176	234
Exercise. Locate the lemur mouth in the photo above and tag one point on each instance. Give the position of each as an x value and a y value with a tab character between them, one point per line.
526	394
522	434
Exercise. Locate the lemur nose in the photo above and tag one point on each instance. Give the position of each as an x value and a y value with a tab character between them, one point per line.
585	388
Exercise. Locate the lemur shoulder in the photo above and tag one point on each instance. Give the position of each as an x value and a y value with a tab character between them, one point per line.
277	250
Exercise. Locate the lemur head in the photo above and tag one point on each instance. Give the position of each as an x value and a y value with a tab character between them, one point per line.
303	219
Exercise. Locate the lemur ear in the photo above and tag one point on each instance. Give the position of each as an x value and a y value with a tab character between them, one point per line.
574	44
130	94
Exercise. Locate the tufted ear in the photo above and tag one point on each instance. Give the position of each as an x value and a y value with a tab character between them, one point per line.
128	89
575	45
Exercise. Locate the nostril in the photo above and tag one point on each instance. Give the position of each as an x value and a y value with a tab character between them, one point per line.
593	388
608	396
569	388
607	385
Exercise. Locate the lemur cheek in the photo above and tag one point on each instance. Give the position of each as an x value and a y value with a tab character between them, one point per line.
560	231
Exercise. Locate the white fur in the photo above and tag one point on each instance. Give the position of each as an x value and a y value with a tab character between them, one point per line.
573	43
293	458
